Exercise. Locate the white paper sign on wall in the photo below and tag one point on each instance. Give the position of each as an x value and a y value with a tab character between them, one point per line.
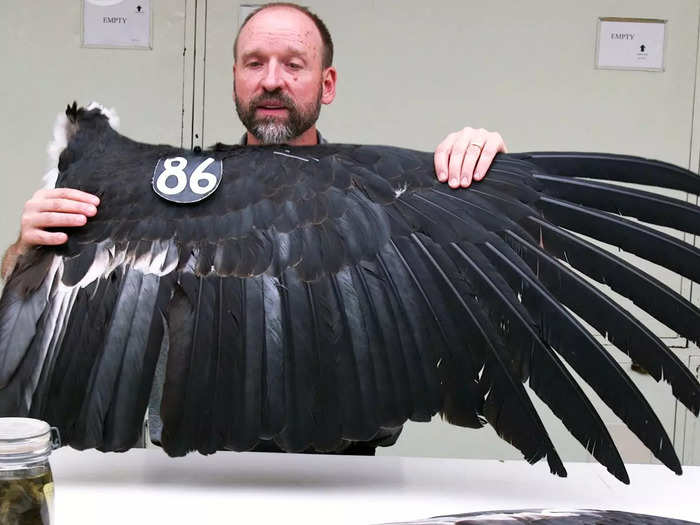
631	43
117	23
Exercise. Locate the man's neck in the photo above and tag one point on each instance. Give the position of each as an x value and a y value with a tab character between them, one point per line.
308	138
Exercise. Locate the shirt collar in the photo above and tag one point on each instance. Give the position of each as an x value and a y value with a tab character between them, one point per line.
321	140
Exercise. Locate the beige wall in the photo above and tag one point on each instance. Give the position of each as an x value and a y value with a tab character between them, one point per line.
43	68
409	73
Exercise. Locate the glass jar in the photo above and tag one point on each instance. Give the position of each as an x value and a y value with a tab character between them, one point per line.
26	482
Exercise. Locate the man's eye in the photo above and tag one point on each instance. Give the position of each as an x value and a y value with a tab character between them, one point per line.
294	65
254	63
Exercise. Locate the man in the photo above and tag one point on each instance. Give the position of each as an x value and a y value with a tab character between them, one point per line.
282	73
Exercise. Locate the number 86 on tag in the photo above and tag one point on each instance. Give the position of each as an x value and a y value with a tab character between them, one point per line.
186	179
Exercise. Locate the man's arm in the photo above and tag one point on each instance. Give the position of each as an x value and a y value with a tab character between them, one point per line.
9	259
49	208
466	155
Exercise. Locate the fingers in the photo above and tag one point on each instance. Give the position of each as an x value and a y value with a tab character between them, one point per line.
494	144
442	156
473	153
55	208
466	155
46	199
54	220
36	237
457	154
67	206
71	194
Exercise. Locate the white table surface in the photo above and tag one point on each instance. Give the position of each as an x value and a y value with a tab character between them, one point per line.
146	486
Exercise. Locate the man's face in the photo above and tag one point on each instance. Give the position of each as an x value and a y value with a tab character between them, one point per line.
279	82
274	118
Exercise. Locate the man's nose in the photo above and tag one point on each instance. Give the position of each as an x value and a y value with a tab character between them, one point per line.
273	77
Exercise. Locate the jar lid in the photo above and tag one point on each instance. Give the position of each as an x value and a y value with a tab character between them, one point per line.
25	438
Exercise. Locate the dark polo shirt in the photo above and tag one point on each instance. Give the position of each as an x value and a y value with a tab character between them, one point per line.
319	138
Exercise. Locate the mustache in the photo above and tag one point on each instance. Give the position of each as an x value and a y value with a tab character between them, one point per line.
272	99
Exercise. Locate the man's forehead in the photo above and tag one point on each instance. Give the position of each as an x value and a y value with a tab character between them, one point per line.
280	26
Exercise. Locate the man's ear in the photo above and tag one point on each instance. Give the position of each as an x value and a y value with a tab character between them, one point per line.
330	76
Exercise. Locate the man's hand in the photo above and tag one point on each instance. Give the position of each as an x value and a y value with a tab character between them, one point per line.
50	208
466	155
54	208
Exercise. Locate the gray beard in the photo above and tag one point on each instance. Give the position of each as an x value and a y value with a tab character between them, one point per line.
272	132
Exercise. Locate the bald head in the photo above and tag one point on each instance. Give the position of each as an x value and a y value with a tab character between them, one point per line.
319	31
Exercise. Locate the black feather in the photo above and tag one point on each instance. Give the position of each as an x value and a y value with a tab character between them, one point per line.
301	366
624	331
22	303
394	398
251	399
72	362
355	372
181	321
644	290
635	238
549	379
124	421
104	374
329	340
325	294
586	356
645	206
620	168
274	360
506	404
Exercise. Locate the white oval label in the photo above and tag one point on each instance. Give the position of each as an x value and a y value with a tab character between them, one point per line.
187	179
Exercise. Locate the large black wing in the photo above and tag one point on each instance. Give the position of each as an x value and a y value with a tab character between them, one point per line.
323	294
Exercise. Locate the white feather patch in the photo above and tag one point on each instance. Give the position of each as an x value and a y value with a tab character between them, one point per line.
110	113
400	191
50	178
63	130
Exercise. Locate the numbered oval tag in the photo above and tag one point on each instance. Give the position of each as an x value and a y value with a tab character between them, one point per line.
187	179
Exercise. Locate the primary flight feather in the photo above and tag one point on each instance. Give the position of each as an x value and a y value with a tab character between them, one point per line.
321	295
